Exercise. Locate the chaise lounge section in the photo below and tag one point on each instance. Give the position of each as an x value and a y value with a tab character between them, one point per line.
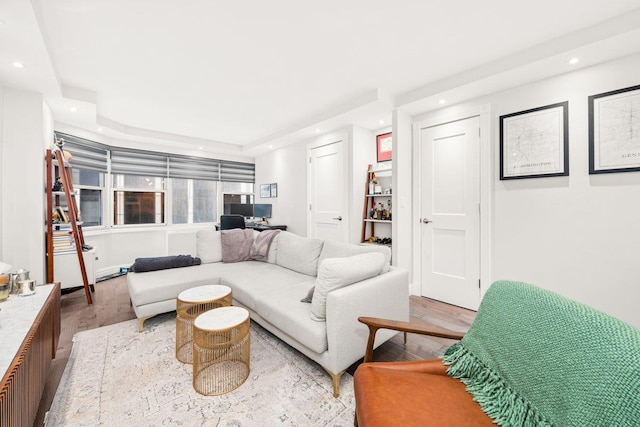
347	281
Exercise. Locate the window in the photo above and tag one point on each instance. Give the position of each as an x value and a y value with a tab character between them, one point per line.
137	200
198	187
193	201
89	185
236	192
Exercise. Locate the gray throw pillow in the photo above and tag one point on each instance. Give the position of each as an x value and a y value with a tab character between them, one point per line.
309	296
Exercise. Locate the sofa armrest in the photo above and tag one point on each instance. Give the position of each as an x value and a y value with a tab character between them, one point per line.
384	296
415	327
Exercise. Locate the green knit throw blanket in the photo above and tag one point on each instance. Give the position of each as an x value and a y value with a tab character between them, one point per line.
535	358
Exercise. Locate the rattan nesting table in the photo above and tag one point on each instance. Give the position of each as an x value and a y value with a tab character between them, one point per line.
191	303
221	350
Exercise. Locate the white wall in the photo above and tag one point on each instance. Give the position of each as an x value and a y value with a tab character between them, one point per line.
288	168
25	120
362	155
1	174
577	235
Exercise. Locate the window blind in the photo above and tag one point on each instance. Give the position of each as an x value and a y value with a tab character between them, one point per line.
92	155
237	172
138	162
86	154
194	168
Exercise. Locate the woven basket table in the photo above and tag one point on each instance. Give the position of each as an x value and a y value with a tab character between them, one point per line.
221	350
191	303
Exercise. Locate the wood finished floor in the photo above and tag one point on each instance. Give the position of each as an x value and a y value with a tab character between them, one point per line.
111	305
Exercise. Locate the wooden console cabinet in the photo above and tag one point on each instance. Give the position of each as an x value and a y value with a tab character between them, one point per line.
36	320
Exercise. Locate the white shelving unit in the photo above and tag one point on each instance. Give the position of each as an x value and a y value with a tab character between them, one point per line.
382	196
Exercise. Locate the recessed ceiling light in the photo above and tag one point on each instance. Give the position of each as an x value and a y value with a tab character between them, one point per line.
270	147
200	148
381	122
18	64
573	61
99	129
317	130
442	101
73	109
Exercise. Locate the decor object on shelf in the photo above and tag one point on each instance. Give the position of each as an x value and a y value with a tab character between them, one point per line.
614	131
265	191
384	147
535	143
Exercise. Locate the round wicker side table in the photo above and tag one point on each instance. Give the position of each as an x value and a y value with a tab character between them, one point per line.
191	303
221	350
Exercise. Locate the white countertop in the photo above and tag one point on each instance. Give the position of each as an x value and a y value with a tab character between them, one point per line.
17	315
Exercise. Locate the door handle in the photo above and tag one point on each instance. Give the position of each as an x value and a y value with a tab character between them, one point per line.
426	220
338	218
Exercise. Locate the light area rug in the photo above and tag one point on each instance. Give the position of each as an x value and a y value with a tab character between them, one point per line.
116	376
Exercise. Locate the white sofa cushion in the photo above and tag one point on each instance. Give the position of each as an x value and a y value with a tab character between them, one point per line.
209	246
281	307
332	249
335	273
257	279
298	253
153	286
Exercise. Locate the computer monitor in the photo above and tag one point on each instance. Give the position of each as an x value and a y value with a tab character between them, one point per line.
262	210
244	209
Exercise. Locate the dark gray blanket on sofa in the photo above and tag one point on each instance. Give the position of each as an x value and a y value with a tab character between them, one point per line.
162	263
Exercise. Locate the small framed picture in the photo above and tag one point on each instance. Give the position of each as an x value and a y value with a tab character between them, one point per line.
384	147
265	191
614	140
274	190
535	143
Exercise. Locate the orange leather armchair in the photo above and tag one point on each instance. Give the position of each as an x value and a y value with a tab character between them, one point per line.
415	393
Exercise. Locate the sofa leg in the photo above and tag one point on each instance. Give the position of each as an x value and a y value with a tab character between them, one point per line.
336	382
141	323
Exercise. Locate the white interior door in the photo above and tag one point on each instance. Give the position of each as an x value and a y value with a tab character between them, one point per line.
327	191
450	212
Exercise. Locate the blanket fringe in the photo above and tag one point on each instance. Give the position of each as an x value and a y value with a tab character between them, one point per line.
496	398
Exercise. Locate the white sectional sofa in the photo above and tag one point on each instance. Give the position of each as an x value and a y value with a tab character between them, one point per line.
349	281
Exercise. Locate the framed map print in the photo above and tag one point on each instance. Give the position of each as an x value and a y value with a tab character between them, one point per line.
614	131
535	143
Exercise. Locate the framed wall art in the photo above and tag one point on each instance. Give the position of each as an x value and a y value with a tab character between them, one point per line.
274	190
265	191
384	147
614	131
535	143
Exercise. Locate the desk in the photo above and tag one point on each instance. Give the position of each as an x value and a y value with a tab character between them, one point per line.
261	227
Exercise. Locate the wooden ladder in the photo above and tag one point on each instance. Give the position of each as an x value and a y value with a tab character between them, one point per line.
76	226
365	209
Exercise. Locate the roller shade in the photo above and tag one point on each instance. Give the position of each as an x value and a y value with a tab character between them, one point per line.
194	168
237	172
86	154
137	162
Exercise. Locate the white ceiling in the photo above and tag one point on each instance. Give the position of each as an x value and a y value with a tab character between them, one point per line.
238	77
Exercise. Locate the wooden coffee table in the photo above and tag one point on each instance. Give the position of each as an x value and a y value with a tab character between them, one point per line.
191	303
221	350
